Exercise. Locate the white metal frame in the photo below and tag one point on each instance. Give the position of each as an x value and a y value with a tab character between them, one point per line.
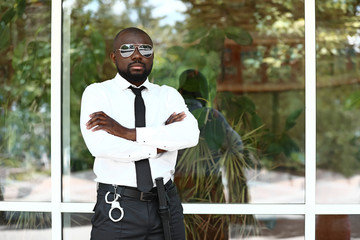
56	145
310	119
309	209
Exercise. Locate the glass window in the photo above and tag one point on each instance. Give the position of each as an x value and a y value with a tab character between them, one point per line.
76	226
25	101
338	93
213	226
25	225
247	59
245	227
249	64
337	227
253	136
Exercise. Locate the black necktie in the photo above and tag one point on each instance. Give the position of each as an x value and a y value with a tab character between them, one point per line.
143	173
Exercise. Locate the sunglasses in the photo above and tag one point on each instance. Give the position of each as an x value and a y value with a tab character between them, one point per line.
126	50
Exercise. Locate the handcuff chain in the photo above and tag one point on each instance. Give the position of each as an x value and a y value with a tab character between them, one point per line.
114	205
115	193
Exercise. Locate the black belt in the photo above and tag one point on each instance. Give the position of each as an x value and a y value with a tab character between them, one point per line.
134	192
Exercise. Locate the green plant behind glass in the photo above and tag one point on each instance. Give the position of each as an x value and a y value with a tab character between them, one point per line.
24	99
25	86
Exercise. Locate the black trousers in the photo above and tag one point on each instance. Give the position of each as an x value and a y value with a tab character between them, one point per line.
141	219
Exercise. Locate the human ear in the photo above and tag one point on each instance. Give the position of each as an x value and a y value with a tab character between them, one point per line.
113	57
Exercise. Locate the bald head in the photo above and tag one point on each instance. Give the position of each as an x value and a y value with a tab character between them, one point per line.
132	30
136	67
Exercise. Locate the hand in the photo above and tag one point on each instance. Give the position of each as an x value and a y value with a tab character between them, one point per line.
160	150
175	117
101	121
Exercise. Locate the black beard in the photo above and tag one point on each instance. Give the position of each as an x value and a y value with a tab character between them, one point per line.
135	78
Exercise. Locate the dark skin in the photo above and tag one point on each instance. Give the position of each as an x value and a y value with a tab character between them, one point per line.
136	64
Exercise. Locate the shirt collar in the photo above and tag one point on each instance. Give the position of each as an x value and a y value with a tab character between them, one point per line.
124	84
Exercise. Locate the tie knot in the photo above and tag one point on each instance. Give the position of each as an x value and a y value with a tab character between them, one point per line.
137	91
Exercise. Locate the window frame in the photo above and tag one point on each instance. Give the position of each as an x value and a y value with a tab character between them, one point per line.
309	209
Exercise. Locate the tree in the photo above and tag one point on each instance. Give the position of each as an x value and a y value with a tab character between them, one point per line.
25	79
338	79
24	97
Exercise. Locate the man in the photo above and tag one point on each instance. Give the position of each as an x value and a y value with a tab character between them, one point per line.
109	111
219	176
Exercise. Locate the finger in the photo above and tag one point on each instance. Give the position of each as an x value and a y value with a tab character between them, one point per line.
95	122
97	128
169	120
179	117
92	122
173	119
100	127
172	116
100	113
176	118
95	117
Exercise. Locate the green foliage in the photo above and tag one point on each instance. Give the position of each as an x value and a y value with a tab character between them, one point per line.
220	154
240	36
337	22
353	101
24	98
202	54
273	135
25	91
27	220
274	148
338	141
217	226
178	59
291	119
239	109
214	130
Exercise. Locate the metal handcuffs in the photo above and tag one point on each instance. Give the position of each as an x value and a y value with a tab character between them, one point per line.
114	205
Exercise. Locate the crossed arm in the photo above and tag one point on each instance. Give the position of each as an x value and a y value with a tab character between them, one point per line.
101	121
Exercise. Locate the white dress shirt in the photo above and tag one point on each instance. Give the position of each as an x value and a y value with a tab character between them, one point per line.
115	156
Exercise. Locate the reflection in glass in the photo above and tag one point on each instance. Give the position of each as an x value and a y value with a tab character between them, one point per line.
76	226
25	225
215	227
252	113
254	97
338	92
25	100
212	227
337	227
